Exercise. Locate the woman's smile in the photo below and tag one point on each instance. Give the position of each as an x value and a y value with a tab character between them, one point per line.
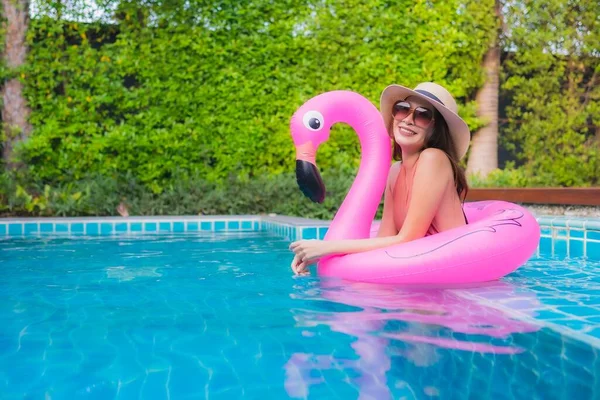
405	131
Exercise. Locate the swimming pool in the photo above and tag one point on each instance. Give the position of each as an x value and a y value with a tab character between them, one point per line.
208	308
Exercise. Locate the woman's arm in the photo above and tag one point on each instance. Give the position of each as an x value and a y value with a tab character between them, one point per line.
430	182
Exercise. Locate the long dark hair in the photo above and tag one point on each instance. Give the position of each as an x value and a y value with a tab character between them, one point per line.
441	139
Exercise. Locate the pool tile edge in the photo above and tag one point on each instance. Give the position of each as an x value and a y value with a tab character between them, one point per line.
561	237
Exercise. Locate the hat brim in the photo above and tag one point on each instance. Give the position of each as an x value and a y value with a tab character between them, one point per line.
461	135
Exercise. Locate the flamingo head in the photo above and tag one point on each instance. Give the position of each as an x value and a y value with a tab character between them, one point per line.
310	126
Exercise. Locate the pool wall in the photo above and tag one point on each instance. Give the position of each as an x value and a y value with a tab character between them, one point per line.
562	237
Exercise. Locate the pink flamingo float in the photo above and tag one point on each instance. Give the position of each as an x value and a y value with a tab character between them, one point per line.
499	238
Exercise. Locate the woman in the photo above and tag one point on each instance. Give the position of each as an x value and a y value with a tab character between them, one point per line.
426	187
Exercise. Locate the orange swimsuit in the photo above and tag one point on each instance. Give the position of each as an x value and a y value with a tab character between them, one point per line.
449	214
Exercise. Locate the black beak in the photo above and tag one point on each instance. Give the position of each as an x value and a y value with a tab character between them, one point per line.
309	180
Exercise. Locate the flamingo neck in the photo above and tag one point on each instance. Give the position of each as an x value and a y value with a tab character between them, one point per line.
355	216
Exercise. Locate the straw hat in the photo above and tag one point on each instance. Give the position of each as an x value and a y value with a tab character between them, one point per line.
439	98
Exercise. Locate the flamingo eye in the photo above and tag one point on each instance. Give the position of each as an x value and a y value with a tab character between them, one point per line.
313	120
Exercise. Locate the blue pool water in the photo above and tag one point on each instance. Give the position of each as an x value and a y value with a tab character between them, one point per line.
215	316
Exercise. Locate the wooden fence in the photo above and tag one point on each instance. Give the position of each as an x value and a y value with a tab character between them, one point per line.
558	196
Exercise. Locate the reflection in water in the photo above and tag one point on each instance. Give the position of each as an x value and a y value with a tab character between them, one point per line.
411	323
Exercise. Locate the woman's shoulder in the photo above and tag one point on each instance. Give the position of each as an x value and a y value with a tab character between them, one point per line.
435	162
433	154
435	157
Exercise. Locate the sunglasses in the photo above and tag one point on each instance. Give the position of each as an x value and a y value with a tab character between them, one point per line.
422	116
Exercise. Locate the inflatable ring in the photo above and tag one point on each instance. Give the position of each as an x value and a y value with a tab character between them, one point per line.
499	238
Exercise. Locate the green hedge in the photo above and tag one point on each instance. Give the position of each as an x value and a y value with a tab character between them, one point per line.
174	105
207	91
553	120
101	195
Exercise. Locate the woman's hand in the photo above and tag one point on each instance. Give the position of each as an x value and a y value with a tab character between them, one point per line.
300	267
308	252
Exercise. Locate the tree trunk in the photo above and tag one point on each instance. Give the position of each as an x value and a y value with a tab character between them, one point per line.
483	157
15	112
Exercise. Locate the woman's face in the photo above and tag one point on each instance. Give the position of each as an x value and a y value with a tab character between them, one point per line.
412	128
